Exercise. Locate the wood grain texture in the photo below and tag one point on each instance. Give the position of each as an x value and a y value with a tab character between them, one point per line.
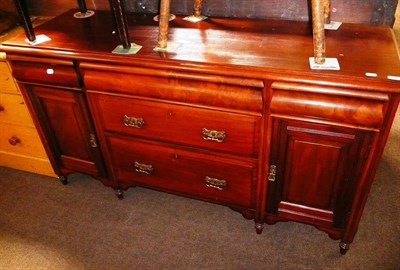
241	46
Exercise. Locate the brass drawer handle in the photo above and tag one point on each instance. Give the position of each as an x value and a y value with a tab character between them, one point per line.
219	184
14	140
213	135
143	168
133	121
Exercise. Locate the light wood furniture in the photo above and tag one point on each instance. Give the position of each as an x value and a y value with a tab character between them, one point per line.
20	145
235	116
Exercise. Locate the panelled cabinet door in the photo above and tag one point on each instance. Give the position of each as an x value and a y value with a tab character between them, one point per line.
314	170
67	128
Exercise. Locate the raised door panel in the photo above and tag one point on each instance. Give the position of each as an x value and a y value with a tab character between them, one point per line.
67	128
317	168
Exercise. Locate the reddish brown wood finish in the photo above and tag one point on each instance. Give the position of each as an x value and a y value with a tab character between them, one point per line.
316	171
179	124
181	171
324	131
63	116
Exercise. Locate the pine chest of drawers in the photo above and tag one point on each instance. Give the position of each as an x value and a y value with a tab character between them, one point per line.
20	145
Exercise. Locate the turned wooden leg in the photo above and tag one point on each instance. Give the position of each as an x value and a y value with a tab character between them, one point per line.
63	179
327	11
163	24
197	8
259	227
344	247
119	193
119	14
318	21
82	6
25	19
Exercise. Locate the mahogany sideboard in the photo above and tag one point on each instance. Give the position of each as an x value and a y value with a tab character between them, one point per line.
233	115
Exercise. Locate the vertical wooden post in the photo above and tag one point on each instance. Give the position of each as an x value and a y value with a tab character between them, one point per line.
25	19
318	21
119	14
82	6
197	8
327	11
163	24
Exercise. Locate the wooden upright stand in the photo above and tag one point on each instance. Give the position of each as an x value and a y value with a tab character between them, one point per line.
25	19
122	25
320	15
163	24
197	8
83	11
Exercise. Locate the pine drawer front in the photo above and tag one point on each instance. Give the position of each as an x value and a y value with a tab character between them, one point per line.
21	140
222	180
57	73
7	84
14	111
208	129
26	163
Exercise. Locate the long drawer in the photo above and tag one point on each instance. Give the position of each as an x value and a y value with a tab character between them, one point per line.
199	127
139	162
45	71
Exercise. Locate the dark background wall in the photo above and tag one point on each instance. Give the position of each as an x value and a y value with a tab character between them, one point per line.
353	11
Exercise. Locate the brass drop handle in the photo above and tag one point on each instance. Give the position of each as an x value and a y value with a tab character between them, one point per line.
2	108
143	168
219	184
133	121
14	140
272	173
213	135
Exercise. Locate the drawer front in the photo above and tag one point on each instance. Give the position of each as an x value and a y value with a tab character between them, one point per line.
13	110
58	74
209	129
21	140
138	162
26	163
7	84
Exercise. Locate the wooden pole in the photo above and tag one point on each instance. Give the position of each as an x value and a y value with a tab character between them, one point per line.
163	24
119	14
82	6
197	8
25	19
318	21
327	11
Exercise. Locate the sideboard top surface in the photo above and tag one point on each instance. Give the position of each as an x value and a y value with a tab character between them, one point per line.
247	46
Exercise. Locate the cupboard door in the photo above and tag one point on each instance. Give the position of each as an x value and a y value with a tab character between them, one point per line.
313	171
67	128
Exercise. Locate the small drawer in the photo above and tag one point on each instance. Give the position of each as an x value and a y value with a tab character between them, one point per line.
58	73
14	111
21	140
7	84
138	162
205	128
